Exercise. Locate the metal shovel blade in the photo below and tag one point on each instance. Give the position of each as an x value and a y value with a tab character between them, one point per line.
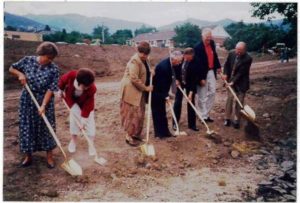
100	160
180	133
72	167
148	149
213	135
250	112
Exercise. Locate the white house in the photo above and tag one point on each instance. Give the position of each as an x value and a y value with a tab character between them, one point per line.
155	39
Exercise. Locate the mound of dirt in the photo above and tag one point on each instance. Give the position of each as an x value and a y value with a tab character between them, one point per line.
105	60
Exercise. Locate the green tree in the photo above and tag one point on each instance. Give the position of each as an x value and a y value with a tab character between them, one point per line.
120	36
63	35
97	33
287	10
187	35
144	29
255	35
74	37
47	28
10	28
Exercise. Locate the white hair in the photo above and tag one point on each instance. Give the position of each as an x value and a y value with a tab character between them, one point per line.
241	45
206	31
176	55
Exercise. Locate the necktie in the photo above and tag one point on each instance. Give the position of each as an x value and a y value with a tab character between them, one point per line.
183	72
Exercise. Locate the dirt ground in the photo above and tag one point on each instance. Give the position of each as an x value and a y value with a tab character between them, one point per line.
186	168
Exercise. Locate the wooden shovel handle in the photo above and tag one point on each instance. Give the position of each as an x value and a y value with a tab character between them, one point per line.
173	115
46	121
232	92
149	108
193	106
79	125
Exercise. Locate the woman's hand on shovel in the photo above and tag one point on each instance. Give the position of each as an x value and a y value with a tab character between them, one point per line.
22	79
42	109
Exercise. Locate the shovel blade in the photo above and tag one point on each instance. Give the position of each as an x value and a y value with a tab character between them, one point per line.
180	133
148	149
72	167
248	111
100	161
214	136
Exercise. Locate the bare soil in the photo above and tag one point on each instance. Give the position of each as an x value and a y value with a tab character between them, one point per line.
186	168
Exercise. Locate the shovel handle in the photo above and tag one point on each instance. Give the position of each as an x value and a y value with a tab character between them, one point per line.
193	106
232	92
174	117
46	121
149	108
79	125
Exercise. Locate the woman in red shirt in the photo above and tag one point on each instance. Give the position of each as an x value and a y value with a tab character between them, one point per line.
79	92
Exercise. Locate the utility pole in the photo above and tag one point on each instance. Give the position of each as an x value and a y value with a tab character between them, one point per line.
103	39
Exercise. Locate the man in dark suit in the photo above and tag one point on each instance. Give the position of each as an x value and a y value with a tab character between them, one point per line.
162	81
186	77
209	63
236	72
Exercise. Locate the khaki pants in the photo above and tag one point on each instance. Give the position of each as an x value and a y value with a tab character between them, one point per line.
229	105
206	95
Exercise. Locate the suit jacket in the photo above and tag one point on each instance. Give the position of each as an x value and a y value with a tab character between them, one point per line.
86	101
133	81
191	75
240	76
162	79
201	54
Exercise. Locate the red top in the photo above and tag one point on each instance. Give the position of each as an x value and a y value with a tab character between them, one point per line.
86	101
210	56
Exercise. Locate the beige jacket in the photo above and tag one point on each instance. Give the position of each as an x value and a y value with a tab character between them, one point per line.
133	81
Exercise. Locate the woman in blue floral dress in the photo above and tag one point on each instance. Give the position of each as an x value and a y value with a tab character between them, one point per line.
41	75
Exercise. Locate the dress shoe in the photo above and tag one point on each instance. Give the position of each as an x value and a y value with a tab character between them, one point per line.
72	146
166	136
194	128
132	142
227	122
92	151
236	125
209	120
50	165
25	163
50	161
174	127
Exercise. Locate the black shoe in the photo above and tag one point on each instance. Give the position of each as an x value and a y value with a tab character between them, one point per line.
51	166
194	128
25	163
227	122
174	127
236	125
209	120
166	136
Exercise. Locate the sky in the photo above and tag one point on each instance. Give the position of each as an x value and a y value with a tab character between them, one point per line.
153	13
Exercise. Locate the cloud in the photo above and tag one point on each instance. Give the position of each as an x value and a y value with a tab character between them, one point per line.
153	13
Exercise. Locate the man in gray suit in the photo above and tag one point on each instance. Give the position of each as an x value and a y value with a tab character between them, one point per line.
236	72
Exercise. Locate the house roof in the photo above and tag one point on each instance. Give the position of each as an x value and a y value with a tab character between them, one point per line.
162	35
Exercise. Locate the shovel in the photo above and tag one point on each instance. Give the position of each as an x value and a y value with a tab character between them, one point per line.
148	149
209	132
246	110
177	133
97	159
71	166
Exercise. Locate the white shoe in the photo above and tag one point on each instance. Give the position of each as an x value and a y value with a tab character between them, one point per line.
92	151
72	147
